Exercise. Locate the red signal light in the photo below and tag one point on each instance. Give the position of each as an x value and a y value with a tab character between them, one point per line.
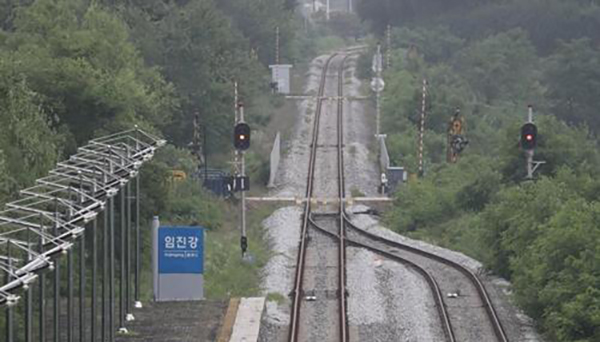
241	136
528	136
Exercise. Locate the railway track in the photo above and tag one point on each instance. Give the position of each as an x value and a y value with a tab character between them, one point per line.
465	310
312	307
472	303
431	282
482	325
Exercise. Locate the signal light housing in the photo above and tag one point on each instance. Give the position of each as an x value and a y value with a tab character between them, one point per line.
528	136
241	136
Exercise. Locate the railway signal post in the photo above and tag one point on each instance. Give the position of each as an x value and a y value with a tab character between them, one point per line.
456	139
528	143
241	142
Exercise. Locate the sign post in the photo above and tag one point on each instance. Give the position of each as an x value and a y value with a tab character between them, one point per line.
178	262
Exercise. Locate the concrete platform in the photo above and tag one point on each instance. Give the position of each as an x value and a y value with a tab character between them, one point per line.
247	321
175	322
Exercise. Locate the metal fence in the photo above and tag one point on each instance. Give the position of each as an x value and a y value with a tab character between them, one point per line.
49	223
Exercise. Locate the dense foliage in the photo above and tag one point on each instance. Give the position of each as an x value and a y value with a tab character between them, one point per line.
71	70
491	59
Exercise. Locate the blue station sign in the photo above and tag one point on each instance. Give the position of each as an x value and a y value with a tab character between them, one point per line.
181	250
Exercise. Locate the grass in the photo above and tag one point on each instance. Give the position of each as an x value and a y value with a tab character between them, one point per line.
276	297
356	193
328	44
227	274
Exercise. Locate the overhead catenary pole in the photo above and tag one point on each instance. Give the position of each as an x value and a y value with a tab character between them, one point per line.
422	129
138	244
60	210
42	290
104	287
82	287
9	309
129	314
82	269
122	252
70	310
56	281
111	272
93	316
28	297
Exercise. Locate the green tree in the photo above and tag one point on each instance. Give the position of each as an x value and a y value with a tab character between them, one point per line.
30	146
557	278
203	57
435	44
500	66
257	21
81	61
573	77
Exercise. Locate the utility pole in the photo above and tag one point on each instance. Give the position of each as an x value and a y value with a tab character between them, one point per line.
388	54
277	45
422	129
235	101
327	11
377	85
350	6
197	148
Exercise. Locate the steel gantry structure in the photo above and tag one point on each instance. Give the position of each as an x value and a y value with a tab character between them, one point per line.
54	220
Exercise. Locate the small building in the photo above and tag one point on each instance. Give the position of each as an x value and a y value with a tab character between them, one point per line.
396	176
280	77
216	181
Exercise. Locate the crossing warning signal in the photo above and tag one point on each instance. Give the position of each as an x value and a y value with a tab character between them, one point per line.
529	136
241	136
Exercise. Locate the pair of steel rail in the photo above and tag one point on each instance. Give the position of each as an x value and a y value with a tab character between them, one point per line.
343	240
298	289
